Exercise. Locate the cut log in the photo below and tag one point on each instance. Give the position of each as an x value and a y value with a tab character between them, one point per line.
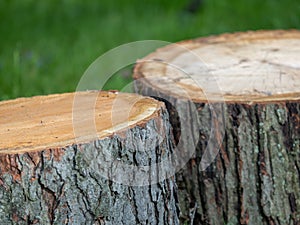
237	95
50	175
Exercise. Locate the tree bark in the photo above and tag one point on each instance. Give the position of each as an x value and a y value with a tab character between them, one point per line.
66	182
255	178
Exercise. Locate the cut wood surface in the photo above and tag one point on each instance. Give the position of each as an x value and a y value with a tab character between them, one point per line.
242	90
50	176
29	124
253	66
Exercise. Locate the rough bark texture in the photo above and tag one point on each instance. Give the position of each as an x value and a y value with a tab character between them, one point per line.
69	186
255	178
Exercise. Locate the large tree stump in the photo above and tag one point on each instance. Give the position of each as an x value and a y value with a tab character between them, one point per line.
242	92
49	175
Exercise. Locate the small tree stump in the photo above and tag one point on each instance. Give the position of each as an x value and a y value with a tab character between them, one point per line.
49	175
242	91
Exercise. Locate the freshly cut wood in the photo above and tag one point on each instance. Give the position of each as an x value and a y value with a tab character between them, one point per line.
239	95
50	175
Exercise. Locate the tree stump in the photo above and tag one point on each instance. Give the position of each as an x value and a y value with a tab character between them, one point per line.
239	95
50	175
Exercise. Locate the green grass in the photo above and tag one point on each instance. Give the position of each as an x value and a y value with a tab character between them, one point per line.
47	45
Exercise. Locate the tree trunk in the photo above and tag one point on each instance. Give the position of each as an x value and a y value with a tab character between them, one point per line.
50	175
237	95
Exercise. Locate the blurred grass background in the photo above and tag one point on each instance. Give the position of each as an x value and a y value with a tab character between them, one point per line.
45	46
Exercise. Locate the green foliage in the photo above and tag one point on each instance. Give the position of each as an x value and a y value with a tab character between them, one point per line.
47	45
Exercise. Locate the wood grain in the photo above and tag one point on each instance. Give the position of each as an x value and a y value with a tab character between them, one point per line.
249	84
50	176
260	66
31	124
